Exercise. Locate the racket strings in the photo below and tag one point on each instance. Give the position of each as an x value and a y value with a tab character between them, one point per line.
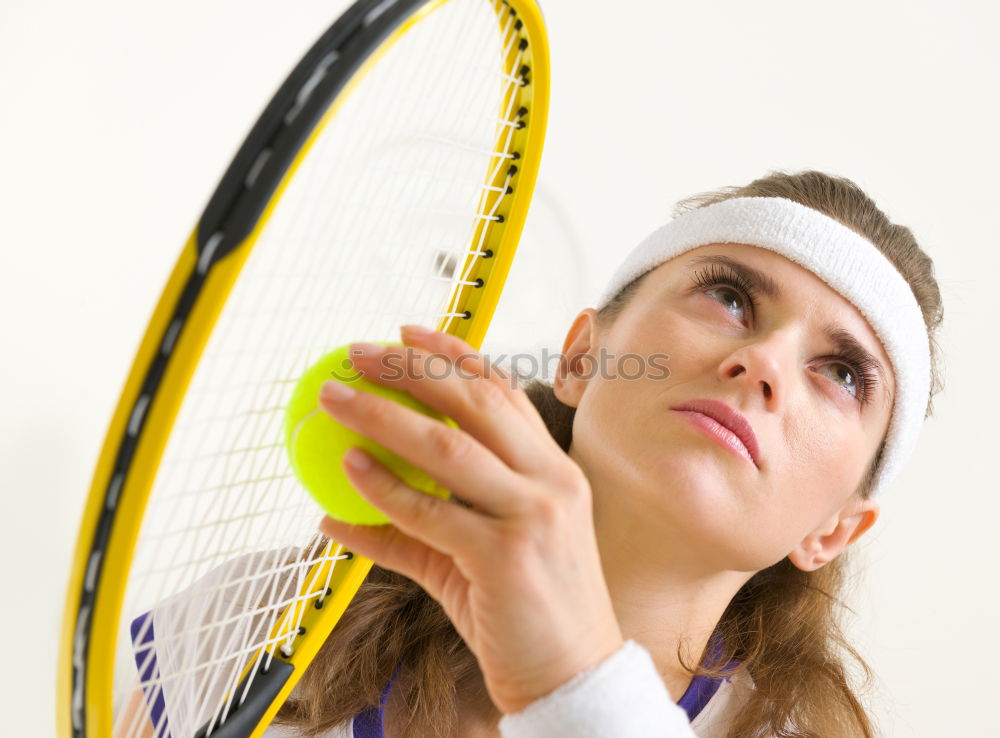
233	581
225	468
295	613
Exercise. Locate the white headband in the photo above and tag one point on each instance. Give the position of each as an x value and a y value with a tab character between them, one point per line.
847	262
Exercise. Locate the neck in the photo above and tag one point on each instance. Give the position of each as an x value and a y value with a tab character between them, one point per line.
673	618
666	596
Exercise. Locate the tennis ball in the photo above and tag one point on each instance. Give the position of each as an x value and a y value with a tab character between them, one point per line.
316	442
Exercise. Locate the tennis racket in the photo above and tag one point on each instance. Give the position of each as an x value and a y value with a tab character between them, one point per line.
386	182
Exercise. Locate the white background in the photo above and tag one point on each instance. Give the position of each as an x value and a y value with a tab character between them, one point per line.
117	119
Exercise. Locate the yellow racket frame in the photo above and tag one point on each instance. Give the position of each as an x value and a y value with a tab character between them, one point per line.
348	576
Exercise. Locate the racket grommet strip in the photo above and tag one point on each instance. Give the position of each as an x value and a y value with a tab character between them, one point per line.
479	282
318	604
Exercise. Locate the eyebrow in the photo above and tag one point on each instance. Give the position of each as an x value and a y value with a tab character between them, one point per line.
843	340
762	281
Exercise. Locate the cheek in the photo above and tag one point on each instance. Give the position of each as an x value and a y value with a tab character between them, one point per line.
825	464
603	419
663	332
616	437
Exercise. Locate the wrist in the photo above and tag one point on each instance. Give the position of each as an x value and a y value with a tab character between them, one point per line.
557	676
622	696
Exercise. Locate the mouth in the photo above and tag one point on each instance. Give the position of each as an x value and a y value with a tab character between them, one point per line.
724	424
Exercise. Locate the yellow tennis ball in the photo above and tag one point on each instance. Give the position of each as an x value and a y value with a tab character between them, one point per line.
316	442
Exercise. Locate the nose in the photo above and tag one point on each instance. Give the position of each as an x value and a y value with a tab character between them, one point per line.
764	366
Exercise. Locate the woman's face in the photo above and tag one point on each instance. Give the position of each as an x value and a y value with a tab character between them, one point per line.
658	476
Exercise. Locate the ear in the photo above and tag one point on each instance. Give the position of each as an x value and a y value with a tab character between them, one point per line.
835	534
576	366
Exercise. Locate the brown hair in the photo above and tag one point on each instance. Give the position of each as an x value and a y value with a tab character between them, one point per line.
783	624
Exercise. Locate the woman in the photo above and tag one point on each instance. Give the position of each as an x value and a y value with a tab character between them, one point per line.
631	537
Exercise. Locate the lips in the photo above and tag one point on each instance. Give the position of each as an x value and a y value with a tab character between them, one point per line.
730	419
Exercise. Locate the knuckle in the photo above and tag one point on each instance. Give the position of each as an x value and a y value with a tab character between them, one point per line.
424	505
448	443
547	510
377	410
508	381
572	481
486	396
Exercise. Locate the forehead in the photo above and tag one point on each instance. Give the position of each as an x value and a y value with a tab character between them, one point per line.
782	281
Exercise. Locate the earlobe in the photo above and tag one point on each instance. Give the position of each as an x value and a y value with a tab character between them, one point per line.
810	554
831	538
570	381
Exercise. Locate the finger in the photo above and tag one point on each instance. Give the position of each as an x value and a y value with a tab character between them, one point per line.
440	524
471	360
481	407
449	455
391	549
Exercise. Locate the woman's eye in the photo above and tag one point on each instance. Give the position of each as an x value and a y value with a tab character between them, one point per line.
734	292
731	298
844	375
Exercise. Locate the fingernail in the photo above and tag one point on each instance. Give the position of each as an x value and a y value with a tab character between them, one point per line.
367	349
358	459
416	330
336	391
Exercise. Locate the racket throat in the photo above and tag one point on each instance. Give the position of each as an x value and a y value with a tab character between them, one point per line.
240	720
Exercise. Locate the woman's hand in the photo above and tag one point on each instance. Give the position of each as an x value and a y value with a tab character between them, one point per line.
518	573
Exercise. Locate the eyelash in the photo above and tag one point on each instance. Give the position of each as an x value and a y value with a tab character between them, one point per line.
718	275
